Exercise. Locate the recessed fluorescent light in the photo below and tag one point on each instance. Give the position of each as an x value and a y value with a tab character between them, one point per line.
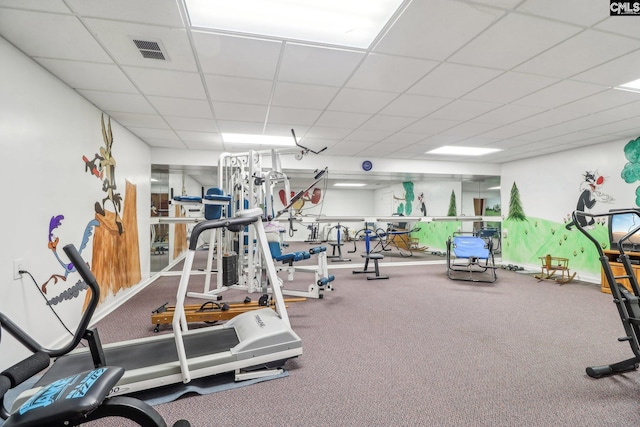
463	151
633	86
351	23
348	184
494	188
241	138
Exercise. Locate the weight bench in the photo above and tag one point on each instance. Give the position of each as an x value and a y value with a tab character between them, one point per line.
472	255
375	257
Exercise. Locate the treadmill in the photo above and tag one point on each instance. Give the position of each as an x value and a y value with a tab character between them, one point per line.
253	344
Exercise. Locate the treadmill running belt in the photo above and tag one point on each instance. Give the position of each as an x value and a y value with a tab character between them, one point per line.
144	354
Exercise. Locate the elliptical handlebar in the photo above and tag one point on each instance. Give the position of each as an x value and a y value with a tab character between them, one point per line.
29	342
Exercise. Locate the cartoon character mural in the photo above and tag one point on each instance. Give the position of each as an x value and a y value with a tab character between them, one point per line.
54	223
423	206
315	198
590	194
103	166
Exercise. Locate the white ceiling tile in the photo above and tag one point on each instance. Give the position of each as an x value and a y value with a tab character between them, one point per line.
350	149
120	102
251	128
463	110
135	120
279	129
513	40
317	65
624	111
362	135
320	132
117	39
342	119
620	127
383	122
204	145
89	75
469	129
191	124
389	73
561	93
548	118
414	105
161	134
239	90
615	72
44	6
207	138
586	50
443	26
195	108
403	139
580	12
237	56
165	13
508	114
602	101
60	36
177	84
361	101
507	131
453	80
164	143
293	116
432	126
240	112
509	87
620	25
297	95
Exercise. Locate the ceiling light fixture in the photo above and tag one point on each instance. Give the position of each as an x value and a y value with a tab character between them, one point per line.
349	23
349	184
463	151
633	86
240	138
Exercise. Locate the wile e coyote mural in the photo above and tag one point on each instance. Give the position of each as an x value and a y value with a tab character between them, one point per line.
115	260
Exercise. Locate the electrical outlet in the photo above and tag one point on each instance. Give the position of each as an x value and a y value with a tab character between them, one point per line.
505	234
18	265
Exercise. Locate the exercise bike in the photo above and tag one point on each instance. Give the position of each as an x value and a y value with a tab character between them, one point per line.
76	399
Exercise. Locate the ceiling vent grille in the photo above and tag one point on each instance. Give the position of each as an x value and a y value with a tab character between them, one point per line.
150	49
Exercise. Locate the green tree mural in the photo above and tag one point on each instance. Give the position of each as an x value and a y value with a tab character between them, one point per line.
452	205
408	197
631	171
515	205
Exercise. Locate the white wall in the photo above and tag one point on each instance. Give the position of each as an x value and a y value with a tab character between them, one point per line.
45	129
550	185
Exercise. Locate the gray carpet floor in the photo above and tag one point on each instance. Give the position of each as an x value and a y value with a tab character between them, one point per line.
422	350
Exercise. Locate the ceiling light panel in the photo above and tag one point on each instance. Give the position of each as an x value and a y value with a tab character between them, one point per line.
349	23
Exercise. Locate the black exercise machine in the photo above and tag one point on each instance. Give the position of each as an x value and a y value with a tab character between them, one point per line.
76	399
628	303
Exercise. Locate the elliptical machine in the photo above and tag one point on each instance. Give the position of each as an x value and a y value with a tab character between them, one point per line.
627	303
76	399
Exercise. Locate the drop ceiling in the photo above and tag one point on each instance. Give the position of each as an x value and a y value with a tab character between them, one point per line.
529	77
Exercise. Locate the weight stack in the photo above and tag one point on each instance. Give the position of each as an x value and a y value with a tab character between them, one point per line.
229	269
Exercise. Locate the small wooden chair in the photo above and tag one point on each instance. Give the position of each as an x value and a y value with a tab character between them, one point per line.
555	268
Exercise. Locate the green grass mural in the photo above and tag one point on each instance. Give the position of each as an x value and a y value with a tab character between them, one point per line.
434	235
535	237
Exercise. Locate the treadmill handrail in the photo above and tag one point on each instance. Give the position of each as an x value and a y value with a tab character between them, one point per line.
29	342
217	223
